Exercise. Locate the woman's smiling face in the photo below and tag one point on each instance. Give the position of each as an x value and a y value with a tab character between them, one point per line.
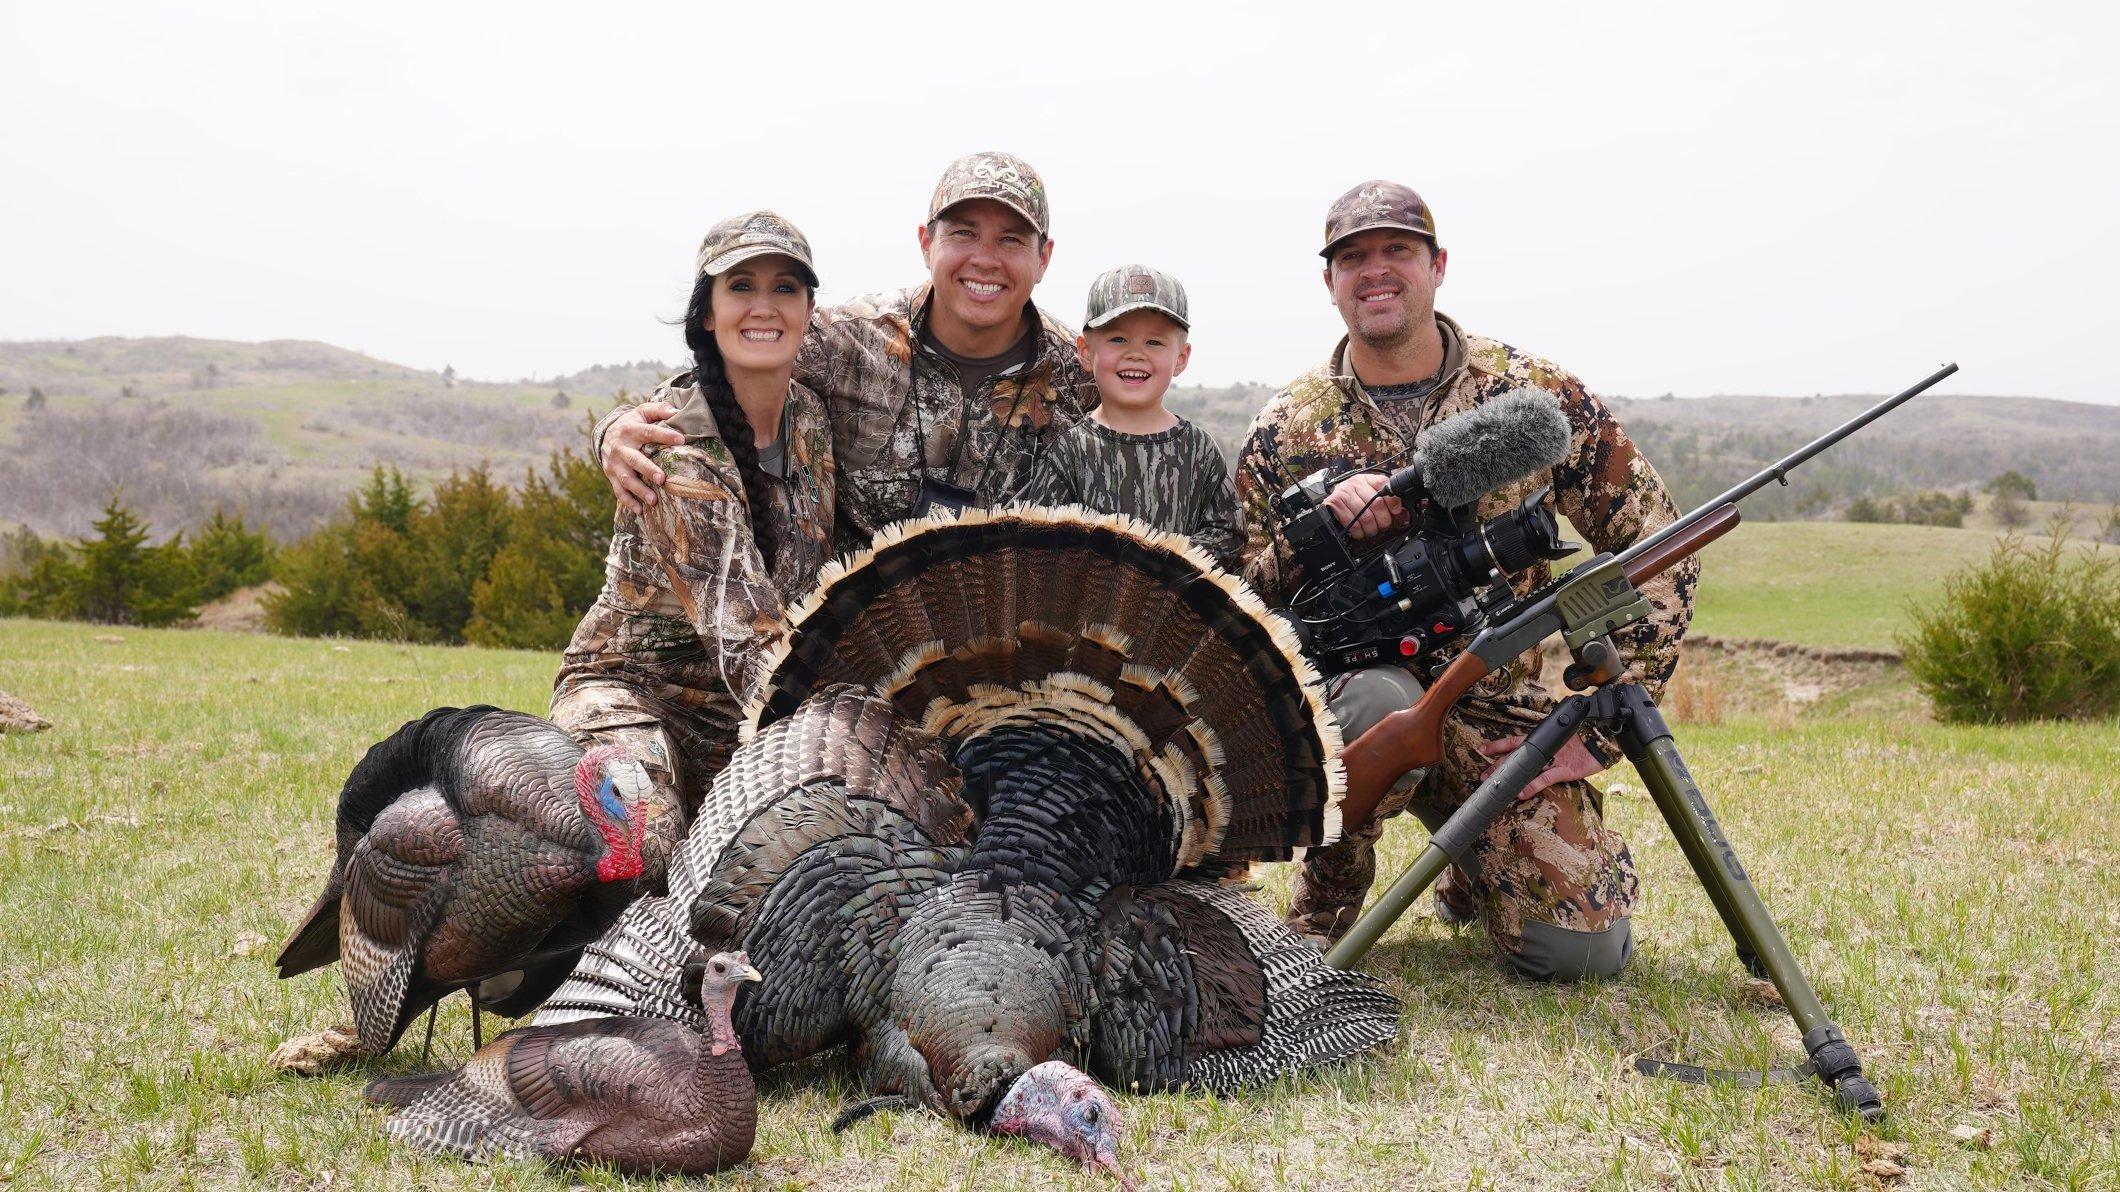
758	312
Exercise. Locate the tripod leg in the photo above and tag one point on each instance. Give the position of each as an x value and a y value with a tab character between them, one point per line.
477	1025
1700	837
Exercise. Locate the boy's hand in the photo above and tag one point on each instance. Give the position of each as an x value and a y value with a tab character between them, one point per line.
1347	501
632	474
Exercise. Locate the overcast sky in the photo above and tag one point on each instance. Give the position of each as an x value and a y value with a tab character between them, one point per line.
1662	198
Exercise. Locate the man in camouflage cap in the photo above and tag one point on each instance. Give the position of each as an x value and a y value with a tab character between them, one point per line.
944	393
1554	885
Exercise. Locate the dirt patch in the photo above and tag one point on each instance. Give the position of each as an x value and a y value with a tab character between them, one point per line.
1724	676
242	610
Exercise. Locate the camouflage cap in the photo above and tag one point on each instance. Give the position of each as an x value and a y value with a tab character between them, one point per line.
1002	177
1135	287
734	241
1377	204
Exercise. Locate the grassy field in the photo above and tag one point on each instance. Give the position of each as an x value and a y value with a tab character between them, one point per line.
1829	583
1949	890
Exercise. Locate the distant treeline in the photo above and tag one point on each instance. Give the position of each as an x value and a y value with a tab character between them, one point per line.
474	562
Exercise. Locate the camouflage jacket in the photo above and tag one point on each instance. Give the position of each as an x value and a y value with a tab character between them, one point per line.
896	407
1604	487
688	608
1175	480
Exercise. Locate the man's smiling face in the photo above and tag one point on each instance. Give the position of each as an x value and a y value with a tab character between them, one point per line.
983	257
1383	281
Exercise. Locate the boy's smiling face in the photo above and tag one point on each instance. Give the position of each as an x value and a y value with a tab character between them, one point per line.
1134	358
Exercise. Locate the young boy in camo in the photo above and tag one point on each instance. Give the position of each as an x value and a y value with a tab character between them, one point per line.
1132	455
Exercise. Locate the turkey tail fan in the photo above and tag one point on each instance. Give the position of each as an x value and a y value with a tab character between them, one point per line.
856	810
971	620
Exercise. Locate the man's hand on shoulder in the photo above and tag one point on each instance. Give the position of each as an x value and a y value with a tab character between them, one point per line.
633	476
1355	504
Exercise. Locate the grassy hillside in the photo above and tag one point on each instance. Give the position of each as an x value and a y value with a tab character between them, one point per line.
278	431
282	430
1948	889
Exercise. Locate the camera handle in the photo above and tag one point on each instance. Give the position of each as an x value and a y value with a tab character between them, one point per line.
1625	710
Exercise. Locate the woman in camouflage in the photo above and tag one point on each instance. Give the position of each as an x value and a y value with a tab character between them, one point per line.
695	584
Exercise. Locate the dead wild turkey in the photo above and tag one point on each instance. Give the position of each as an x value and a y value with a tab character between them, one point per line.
642	1094
970	831
476	847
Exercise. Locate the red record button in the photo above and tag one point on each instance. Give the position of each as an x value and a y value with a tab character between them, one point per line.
1409	646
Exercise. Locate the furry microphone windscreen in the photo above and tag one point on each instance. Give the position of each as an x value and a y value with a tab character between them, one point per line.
1466	456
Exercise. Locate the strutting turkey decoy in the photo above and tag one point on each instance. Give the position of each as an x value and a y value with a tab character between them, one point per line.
968	831
477	849
641	1094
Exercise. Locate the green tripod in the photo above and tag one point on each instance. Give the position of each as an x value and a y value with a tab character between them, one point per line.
1626	711
1584	607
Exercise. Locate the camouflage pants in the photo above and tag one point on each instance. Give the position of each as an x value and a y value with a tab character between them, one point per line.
681	748
1546	863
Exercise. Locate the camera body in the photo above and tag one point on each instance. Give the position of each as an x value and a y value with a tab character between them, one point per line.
1401	600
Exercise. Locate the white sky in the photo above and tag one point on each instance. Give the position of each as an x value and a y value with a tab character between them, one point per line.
1672	197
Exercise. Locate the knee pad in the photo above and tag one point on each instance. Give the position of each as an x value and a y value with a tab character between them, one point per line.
1560	954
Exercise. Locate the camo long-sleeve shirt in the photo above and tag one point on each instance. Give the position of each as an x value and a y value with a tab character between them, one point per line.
1604	487
688	607
899	412
1174	480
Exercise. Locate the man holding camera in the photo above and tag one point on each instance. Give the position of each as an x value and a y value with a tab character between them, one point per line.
1554	886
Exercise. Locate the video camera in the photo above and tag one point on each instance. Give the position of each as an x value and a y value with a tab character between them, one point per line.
1400	600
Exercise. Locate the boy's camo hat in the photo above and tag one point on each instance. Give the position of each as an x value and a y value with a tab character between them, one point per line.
733	241
1377	204
1135	287
1007	179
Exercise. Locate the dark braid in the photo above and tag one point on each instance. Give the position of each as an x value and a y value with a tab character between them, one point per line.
729	418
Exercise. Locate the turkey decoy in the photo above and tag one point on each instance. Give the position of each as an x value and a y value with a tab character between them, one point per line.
644	1095
997	761
477	849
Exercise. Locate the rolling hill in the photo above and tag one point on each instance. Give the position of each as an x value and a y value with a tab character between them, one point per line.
281	431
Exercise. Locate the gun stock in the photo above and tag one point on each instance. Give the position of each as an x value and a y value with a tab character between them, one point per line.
1405	740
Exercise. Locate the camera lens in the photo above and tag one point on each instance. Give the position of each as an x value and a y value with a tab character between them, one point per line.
1521	537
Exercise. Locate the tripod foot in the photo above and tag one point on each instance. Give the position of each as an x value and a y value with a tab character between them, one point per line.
1836	1064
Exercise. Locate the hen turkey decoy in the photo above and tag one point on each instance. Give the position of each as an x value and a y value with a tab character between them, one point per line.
970	830
642	1094
476	848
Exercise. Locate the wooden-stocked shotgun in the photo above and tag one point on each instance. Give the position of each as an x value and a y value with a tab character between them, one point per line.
1591	600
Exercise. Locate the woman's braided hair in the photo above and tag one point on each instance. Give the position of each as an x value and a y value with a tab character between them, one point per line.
729	418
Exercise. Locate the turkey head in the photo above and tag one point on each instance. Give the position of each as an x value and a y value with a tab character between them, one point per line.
612	789
1061	1106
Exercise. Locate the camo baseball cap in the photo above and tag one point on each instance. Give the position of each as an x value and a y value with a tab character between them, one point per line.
1131	288
733	241
1002	177
1377	204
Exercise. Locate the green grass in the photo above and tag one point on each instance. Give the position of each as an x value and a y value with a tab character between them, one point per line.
1951	892
1827	583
